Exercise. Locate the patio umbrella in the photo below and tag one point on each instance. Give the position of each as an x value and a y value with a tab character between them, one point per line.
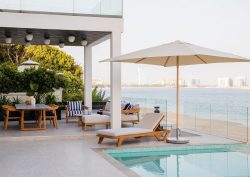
177	54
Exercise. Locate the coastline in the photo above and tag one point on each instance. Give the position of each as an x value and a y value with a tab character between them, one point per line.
227	129
201	87
222	128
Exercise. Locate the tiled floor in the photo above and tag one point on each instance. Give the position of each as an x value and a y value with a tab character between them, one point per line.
67	152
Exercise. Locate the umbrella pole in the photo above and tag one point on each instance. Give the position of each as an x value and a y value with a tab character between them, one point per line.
177	139
177	97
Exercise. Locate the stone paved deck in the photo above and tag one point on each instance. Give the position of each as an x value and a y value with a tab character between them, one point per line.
69	152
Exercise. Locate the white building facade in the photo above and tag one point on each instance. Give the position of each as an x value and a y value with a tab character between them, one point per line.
240	82
69	23
224	82
194	83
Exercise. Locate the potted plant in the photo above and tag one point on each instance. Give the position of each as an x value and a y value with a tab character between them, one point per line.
50	98
31	93
98	98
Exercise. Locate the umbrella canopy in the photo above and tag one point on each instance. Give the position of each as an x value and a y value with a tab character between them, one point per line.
166	55
177	53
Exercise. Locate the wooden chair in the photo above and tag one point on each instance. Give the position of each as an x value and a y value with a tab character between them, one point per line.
131	115
10	113
73	109
148	126
51	115
128	116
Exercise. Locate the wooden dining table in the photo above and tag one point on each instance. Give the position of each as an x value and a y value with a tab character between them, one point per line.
40	109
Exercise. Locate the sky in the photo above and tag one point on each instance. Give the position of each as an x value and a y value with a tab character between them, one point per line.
217	24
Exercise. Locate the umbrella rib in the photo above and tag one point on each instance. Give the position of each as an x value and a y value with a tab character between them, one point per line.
140	60
201	59
166	62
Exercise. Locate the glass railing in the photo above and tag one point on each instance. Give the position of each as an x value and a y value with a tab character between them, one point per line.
228	121
71	7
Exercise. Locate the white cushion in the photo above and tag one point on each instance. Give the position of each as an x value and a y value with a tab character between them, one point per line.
108	113
95	118
150	121
107	106
136	106
122	131
127	117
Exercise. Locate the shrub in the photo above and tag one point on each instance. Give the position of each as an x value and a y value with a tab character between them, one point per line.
98	94
4	101
50	98
11	80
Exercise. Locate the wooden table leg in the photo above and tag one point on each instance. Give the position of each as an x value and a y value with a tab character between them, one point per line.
44	119
22	120
39	119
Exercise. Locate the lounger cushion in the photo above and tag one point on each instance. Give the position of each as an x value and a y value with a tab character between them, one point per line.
107	106
122	131
129	117
95	118
150	121
108	113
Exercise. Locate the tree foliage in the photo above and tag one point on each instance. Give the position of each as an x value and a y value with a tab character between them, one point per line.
52	61
12	53
50	58
31	80
11	80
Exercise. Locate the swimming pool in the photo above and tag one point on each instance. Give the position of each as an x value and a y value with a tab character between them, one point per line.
186	161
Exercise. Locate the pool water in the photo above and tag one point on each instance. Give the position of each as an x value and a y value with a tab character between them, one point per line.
188	161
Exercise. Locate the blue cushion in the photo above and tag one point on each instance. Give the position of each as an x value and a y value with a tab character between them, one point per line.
14	114
127	106
74	105
72	113
50	113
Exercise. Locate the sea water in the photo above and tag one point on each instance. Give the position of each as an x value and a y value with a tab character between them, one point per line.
221	104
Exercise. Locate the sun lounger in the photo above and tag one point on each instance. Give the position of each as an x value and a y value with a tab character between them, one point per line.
148	126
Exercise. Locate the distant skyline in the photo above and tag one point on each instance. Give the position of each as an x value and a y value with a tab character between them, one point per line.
221	25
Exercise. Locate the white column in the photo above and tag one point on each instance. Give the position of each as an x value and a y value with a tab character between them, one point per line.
115	80
88	76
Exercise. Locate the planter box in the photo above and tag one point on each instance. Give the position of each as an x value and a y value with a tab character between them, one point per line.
98	105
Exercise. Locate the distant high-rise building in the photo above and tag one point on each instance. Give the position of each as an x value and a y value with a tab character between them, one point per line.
224	82
240	82
194	83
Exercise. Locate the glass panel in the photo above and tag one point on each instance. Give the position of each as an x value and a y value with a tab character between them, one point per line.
189	116
219	120
63	6
10	4
228	121
92	7
237	123
87	6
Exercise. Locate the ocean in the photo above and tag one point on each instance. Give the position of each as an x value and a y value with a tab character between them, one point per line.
205	102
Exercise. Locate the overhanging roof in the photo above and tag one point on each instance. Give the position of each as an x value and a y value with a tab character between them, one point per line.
18	36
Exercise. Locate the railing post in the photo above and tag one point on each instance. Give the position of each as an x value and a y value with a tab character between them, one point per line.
166	114
247	126
227	121
195	123
210	115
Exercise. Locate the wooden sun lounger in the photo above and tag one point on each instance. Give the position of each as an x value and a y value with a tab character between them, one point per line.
158	133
